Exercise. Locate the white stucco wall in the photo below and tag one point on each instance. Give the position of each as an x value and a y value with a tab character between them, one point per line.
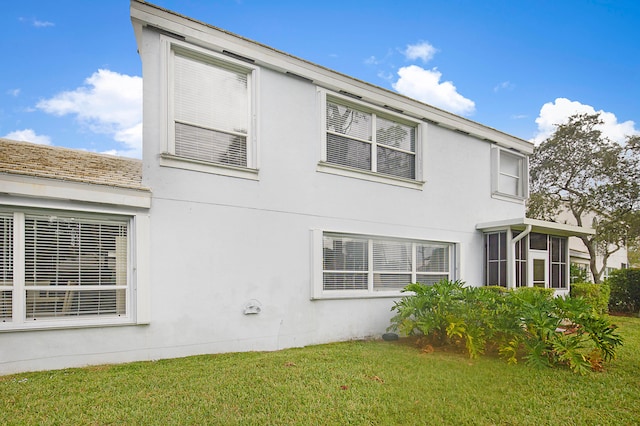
219	242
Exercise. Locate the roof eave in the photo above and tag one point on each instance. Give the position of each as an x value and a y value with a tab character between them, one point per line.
217	39
540	226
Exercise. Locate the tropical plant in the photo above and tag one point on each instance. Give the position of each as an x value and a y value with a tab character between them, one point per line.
526	323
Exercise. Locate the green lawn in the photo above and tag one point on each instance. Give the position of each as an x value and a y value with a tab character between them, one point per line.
371	382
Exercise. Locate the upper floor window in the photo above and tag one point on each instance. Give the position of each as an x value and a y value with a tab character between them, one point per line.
210	109
510	174
371	142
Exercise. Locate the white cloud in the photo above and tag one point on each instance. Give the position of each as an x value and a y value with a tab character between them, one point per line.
559	111
13	92
424	85
28	135
36	22
505	85
108	103
422	50
40	24
371	60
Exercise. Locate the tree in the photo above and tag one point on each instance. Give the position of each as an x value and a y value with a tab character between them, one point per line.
597	181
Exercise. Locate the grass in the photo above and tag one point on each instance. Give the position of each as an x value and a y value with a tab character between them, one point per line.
362	383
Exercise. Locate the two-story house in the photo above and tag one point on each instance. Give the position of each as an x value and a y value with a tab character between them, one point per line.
278	204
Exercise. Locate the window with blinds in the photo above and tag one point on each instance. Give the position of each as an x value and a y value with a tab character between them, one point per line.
211	108
70	267
367	140
375	264
6	266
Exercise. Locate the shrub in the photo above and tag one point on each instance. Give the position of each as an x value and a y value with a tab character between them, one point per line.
547	293
528	323
625	290
597	295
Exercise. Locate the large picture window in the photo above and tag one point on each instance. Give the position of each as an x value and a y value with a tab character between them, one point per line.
367	139
363	264
63	267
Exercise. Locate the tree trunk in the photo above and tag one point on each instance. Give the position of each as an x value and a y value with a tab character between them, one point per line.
592	259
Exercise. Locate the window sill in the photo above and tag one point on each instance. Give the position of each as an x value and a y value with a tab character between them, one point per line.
62	324
170	160
364	294
351	172
507	197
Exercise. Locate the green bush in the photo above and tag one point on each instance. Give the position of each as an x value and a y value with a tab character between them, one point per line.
544	292
597	295
625	290
527	323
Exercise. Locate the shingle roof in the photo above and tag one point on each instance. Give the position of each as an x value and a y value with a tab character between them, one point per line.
24	158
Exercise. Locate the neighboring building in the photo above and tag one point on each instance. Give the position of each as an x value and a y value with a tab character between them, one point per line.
579	255
278	204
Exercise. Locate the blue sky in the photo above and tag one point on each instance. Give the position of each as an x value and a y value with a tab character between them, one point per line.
71	75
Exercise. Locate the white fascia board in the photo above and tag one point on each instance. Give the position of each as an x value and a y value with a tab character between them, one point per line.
542	226
198	33
42	188
576	254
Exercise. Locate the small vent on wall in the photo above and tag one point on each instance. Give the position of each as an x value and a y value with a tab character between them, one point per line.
299	77
238	57
390	108
167	33
351	95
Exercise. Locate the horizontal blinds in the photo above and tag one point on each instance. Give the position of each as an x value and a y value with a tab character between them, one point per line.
211	109
210	145
351	262
432	258
391	256
396	163
73	266
348	152
6	265
6	249
395	135
345	263
351	141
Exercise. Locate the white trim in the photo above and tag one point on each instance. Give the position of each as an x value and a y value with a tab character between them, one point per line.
317	266
337	169
324	166
522	178
539	226
140	291
168	158
534	255
44	188
138	271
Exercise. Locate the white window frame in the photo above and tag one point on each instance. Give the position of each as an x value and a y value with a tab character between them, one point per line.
496	171
168	156
317	281
324	166
136	299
